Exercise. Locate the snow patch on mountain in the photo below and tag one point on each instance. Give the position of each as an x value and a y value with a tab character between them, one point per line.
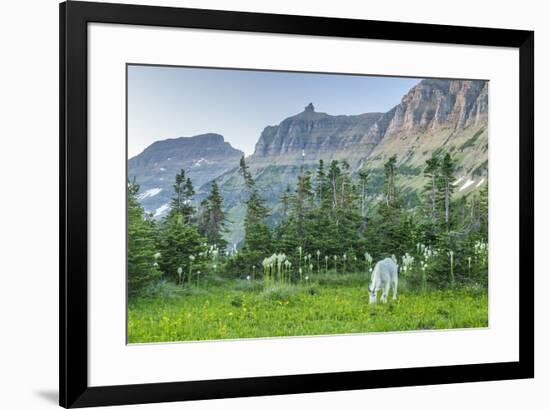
161	210
466	185
456	182
200	162
149	193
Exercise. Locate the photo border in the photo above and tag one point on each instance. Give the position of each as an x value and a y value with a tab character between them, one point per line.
73	253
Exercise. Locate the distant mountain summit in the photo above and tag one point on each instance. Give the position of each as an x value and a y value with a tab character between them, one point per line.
203	157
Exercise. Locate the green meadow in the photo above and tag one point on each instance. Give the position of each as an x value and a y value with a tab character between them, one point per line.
331	304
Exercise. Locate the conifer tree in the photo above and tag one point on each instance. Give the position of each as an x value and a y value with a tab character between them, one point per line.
142	261
179	238
446	169
180	205
213	220
333	177
257	233
320	181
363	174
390	190
431	172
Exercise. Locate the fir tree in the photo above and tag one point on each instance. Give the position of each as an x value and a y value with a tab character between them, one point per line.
447	168
142	253
257	233
320	181
431	172
213	219
333	177
364	174
243	170
180	205
390	190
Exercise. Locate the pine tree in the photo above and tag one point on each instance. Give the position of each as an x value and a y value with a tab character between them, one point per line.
285	201
257	233
178	244
364	174
333	177
142	253
320	181
302	205
447	168
180	205
243	170
484	210
390	190
431	172
212	218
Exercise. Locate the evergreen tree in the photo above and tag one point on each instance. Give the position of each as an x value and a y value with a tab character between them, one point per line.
431	172
243	170
179	243
447	168
390	189
320	181
180	205
257	233
484	210
212	219
142	253
364	174
301	207
333	177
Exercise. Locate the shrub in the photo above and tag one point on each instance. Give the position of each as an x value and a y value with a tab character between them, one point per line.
279	292
162	289
248	286
237	301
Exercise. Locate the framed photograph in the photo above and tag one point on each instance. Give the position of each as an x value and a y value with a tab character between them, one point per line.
256	204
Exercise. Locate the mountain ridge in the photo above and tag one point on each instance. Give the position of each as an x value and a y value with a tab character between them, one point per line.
433	115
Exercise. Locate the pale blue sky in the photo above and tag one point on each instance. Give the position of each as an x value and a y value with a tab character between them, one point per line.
169	102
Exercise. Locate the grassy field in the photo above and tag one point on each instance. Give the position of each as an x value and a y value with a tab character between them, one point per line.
245	310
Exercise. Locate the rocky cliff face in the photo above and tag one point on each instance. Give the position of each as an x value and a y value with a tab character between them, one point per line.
435	104
203	157
438	114
317	134
431	106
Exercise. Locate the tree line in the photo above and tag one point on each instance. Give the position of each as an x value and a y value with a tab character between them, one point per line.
330	214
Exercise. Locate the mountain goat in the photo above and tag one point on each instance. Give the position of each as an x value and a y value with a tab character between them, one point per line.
384	273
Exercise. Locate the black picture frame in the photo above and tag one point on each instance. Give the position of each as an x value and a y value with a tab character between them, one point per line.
73	257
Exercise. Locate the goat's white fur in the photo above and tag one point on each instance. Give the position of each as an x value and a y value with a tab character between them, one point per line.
383	275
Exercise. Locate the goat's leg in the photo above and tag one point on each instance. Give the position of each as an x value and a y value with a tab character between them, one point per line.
395	288
385	291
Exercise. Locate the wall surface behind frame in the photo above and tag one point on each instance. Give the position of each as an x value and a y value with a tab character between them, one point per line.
29	200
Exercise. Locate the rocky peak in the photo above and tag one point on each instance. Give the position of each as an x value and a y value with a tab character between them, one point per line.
209	145
314	132
434	104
